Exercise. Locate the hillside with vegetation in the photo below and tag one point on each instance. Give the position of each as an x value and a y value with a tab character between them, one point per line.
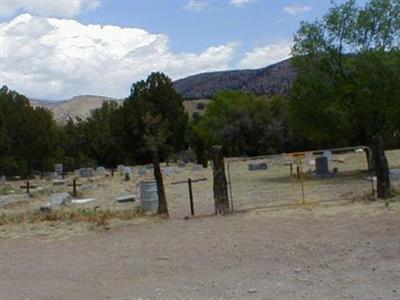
275	79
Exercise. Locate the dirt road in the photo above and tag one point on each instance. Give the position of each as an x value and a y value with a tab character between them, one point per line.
338	252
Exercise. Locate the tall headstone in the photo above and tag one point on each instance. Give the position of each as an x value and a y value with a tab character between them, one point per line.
328	155
321	166
59	169
2	179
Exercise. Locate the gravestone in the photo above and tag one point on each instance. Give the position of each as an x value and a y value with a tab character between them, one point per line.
181	164
142	172
58	182
394	174
328	155
58	168
127	171
120	168
309	159
100	171
84	172
197	168
83	201
322	168
60	199
168	171
149	166
258	166
124	198
12	199
3	179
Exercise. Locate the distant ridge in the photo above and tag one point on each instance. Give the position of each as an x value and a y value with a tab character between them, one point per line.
74	108
272	80
275	79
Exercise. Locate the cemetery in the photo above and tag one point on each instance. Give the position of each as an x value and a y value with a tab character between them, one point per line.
268	182
264	165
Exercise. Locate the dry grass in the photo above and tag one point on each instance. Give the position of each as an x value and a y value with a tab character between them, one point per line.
89	215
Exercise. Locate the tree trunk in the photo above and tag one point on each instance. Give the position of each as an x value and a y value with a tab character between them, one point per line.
162	199
221	199
381	167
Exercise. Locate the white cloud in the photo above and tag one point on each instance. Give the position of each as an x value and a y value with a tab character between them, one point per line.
196	5
47	8
59	58
240	2
263	56
296	9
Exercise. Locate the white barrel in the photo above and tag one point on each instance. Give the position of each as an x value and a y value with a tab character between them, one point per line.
149	196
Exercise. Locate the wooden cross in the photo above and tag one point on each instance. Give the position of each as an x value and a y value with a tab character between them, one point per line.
28	186
189	182
74	185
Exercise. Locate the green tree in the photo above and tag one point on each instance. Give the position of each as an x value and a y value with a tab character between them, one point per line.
156	122
245	124
347	88
27	135
101	132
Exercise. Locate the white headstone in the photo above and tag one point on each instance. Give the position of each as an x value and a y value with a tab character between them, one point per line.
328	154
142	172
149	166
197	168
3	179
168	171
127	171
58	168
100	170
59	199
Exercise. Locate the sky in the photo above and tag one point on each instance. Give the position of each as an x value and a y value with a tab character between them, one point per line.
56	49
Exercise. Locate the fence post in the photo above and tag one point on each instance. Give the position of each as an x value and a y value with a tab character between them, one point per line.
381	167
221	199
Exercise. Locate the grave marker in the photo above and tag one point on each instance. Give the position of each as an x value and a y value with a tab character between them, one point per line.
322	168
74	185
189	182
258	166
28	186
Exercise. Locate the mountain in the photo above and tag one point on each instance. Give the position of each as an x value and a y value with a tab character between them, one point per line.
76	107
272	80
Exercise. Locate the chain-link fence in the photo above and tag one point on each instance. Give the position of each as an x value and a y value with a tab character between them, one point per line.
393	157
302	178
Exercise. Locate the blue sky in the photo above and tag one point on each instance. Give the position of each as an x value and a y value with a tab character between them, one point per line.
56	49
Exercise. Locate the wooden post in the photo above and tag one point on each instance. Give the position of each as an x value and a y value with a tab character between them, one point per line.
191	196
381	167
162	199
74	188
221	199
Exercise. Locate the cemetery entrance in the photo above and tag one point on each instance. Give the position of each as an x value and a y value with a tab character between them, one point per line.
299	178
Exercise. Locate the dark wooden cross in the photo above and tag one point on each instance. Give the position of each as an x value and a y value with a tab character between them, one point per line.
189	182
28	186
74	185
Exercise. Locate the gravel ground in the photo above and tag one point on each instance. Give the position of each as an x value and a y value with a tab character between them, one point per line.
347	251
